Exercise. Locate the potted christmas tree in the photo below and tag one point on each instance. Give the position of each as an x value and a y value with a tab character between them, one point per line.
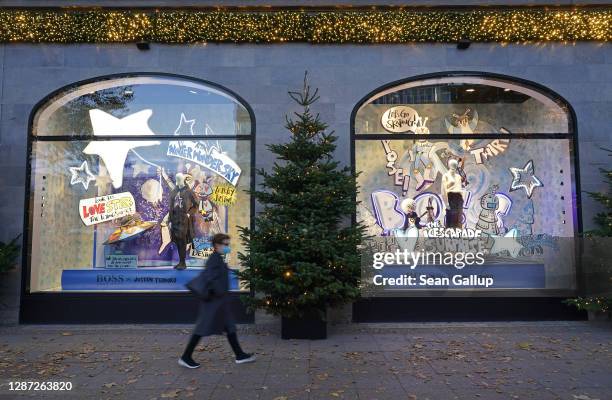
301	253
595	254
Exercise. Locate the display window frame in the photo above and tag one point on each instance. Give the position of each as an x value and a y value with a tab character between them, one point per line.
117	306
373	309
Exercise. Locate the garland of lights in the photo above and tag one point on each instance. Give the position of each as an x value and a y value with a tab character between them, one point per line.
366	26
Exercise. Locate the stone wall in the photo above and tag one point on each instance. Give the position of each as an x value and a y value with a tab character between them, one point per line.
262	75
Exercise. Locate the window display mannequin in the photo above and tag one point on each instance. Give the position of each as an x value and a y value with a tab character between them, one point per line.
407	235
183	203
413	221
452	188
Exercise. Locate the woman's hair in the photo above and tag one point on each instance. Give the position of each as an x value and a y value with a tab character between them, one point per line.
219	238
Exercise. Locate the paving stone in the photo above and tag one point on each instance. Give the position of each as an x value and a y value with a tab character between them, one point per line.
538	361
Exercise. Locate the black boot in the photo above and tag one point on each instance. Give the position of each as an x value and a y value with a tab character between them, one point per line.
241	356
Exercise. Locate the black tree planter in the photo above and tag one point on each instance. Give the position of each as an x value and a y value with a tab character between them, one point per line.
308	327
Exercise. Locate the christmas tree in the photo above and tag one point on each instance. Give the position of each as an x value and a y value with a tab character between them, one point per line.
595	255
603	219
301	255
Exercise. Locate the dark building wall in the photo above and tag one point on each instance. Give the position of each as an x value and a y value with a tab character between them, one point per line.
262	75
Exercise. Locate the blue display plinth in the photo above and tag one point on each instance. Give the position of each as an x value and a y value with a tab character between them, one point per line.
145	279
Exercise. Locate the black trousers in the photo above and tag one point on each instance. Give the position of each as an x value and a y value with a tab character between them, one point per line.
181	245
232	338
455	210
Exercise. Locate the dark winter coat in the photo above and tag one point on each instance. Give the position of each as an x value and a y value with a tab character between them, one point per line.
215	316
183	203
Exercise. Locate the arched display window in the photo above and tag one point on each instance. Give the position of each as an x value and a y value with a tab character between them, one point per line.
510	145
130	176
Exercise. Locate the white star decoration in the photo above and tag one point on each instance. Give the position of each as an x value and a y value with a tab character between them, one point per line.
114	152
185	127
525	178
81	175
506	243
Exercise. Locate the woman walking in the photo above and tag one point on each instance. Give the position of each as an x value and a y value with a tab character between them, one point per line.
215	316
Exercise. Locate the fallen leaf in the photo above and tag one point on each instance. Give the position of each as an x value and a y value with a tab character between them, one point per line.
66	333
171	394
524	345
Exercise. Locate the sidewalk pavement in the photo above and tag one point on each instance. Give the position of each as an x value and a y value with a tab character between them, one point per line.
543	360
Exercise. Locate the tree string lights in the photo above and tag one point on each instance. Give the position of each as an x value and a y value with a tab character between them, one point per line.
523	24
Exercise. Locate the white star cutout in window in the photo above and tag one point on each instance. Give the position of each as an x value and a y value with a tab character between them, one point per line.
81	175
525	179
114	152
185	127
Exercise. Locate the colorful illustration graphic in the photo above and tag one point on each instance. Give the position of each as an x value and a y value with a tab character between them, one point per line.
141	212
106	208
129	228
404	180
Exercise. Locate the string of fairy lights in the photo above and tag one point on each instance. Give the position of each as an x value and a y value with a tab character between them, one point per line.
523	24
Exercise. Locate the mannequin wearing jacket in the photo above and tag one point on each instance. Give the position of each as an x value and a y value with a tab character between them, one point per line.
183	204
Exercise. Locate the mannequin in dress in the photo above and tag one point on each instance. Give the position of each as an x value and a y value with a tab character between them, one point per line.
452	188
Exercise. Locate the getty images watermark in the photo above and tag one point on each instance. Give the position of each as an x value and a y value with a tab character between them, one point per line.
413	259
471	260
436	258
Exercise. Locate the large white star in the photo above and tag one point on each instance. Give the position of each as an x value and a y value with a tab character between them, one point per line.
507	243
114	152
81	175
525	178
